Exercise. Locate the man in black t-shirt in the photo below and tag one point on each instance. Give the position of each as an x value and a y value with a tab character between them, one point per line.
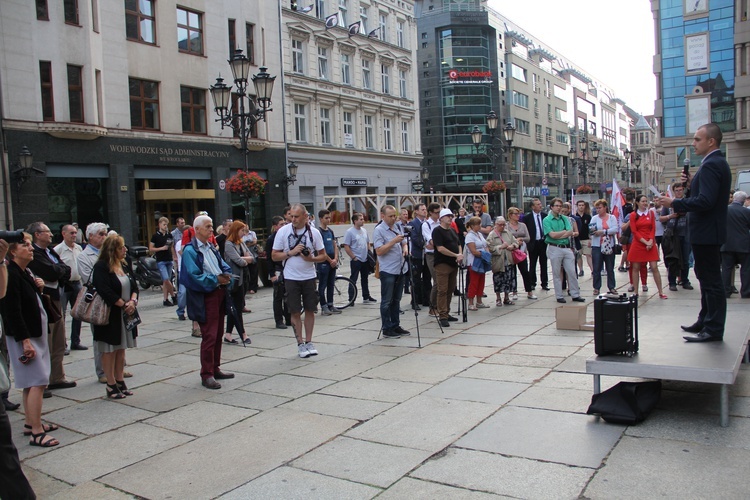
161	244
447	258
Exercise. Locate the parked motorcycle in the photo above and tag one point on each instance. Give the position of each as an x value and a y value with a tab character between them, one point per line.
146	272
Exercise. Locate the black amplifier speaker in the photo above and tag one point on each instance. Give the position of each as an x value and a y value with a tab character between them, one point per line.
616	325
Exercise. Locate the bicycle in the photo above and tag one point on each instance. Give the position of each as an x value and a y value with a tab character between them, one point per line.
344	290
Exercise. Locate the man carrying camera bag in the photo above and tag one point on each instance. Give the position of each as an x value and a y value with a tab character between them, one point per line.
299	247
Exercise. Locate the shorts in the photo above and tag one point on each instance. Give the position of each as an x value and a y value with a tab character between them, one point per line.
299	293
165	269
585	248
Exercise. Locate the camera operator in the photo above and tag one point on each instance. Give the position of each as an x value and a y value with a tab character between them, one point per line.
390	246
300	247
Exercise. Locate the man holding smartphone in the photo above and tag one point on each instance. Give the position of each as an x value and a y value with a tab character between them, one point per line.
205	276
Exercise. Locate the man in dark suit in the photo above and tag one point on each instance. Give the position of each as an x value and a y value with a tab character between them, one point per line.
736	250
55	273
420	273
706	205
537	247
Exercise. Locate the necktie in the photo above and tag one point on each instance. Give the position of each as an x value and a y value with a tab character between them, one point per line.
538	226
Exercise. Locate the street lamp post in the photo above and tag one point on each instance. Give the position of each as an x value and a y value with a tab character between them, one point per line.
251	109
629	157
583	162
289	179
494	148
422	178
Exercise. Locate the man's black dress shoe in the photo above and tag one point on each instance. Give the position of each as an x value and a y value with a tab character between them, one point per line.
579	299
545	287
211	383
223	375
65	384
703	336
694	328
444	323
562	301
10	406
401	331
687	286
79	347
452	318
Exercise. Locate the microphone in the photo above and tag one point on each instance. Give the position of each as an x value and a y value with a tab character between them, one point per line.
686	170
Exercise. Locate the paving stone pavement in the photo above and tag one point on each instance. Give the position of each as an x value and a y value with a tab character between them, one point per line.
494	407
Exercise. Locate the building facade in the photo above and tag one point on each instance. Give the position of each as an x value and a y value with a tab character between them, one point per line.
701	63
472	61
350	98
112	100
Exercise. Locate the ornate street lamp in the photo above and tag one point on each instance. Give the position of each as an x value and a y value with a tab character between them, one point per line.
251	109
24	170
495	148
583	162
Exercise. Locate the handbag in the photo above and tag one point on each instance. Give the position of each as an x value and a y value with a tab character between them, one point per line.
607	245
519	256
90	307
627	402
51	308
372	261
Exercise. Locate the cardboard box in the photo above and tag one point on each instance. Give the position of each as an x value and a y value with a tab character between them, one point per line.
572	317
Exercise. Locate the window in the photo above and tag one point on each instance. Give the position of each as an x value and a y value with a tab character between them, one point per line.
385	77
95	15
300	123
189	31
348	130
343	9
521	100
232	32
383	26
400	34
535	82
562	137
369	136
70	8
387	142
144	104
323	63
345	77
363	17
45	79
193	103
320	8
548	135
402	83
140	21
538	130
366	80
522	126
518	73
297	57
560	115
325	126
42	12
405	136
75	93
250	42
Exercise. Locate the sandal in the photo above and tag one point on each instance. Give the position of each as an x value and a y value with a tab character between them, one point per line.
123	388
499	303
230	341
644	288
45	427
612	290
663	296
472	308
38	440
114	392
509	302
596	292
482	305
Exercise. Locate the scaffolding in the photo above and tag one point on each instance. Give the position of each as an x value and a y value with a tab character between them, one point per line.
370	204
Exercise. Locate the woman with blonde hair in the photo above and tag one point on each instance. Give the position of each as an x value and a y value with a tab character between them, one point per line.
116	285
475	244
501	244
238	256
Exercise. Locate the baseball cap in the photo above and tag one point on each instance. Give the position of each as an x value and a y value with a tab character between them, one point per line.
444	212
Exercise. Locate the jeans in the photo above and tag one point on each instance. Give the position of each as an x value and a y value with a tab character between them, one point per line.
181	300
69	297
326	279
361	269
713	313
391	291
599	260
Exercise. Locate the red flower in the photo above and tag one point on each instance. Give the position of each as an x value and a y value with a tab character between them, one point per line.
584	189
246	184
493	186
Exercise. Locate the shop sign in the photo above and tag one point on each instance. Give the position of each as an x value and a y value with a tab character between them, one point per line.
469	77
353	182
172	155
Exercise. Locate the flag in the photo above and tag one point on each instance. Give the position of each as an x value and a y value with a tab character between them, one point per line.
372	34
308	8
617	201
354	28
669	191
332	20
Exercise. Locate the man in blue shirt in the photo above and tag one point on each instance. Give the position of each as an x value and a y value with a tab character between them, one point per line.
327	269
391	248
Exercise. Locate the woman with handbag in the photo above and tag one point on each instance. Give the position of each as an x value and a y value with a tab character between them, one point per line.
602	231
475	244
26	325
116	285
238	256
501	244
520	231
643	247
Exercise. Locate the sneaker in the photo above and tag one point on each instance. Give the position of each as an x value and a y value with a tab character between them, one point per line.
532	296
303	352
514	296
167	303
631	289
482	305
281	326
401	331
391	334
181	317
444	323
369	301
672	288
311	349
326	311
334	310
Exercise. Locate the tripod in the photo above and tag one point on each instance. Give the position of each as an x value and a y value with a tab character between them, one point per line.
399	283
462	310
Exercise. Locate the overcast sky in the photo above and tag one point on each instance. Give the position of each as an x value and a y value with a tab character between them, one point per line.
612	40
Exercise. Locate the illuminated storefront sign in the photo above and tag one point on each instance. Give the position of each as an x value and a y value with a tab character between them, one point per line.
469	77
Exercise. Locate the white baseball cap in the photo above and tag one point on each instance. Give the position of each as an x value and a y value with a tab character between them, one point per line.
444	212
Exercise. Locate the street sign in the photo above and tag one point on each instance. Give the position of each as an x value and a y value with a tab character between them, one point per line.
417	186
544	181
545	191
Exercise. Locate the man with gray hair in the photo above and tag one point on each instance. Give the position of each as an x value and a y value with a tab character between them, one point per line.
736	249
96	233
69	251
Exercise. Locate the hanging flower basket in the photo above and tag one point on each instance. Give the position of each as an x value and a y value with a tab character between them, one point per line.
247	184
493	187
584	189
